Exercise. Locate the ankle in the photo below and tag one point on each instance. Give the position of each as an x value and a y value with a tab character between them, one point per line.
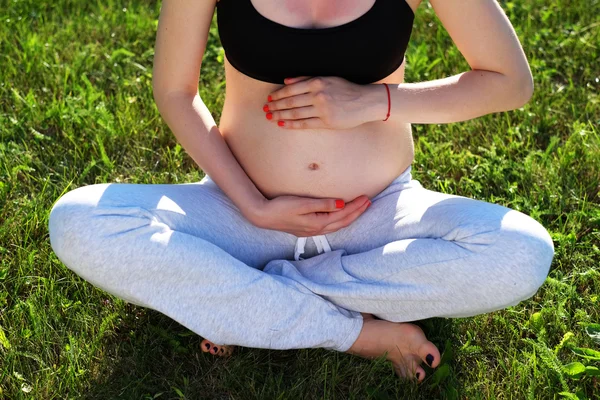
366	340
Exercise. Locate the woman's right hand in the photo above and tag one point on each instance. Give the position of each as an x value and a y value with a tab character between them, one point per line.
305	216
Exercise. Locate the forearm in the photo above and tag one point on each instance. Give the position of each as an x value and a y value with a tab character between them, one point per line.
456	98
196	130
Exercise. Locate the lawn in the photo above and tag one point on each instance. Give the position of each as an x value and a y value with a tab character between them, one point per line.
76	108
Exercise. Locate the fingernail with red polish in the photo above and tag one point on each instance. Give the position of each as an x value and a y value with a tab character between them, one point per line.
339	204
269	116
281	123
269	99
266	108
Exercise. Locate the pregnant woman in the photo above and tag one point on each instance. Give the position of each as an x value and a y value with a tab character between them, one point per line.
308	223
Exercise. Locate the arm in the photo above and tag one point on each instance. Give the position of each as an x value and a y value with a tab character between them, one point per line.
500	79
180	43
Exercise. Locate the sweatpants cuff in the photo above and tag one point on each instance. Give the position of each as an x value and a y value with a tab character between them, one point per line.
357	324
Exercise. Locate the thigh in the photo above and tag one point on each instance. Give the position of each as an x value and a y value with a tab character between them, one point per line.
410	211
200	209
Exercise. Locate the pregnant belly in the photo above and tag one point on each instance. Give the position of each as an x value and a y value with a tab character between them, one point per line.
341	164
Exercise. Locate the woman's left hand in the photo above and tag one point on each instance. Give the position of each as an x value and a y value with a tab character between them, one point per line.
326	102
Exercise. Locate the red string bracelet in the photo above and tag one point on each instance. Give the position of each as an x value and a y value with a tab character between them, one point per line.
389	102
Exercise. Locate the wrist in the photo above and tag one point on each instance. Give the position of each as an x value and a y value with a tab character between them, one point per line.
252	209
377	103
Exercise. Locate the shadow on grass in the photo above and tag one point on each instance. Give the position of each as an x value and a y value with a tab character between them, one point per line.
151	356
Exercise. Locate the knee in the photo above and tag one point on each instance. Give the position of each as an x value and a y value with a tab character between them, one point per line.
62	222
68	220
529	251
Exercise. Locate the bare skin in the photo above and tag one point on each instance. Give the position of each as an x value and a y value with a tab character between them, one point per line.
405	344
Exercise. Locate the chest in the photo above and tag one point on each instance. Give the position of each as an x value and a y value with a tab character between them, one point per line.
312	14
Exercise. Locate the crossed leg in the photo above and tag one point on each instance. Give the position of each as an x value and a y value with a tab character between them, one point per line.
186	251
417	253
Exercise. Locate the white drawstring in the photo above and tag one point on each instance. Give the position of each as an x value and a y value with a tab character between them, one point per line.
322	244
299	248
320	241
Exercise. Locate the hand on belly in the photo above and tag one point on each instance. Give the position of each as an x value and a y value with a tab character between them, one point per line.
322	103
304	217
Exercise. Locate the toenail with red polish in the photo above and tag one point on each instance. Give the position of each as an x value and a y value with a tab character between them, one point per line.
215	349
269	116
418	375
429	359
266	108
207	346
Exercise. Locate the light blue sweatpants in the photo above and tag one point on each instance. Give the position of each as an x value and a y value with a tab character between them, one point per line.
186	251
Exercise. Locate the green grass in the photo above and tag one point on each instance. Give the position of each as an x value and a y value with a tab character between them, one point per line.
76	108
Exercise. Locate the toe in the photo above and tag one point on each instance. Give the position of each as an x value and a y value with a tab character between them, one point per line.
420	374
229	350
209	347
400	370
430	354
413	366
205	345
408	368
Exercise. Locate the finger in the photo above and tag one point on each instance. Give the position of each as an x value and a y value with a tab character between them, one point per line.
288	81
310	85
308	123
295	113
309	205
321	220
326	218
300	100
293	89
345	221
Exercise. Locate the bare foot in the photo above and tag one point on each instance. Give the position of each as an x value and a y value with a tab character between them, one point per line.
405	344
209	347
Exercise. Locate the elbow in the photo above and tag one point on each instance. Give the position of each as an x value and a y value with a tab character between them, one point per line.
158	99
157	93
156	85
164	95
522	90
164	90
525	88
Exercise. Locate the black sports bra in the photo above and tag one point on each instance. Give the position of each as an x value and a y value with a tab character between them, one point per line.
364	50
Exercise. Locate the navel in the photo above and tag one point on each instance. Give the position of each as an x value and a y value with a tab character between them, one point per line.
313	166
